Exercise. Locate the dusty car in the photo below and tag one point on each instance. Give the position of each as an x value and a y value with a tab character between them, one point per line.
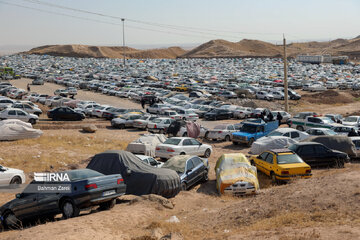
125	121
159	125
11	176
222	132
14	113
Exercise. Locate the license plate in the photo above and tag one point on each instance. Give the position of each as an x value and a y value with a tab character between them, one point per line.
108	193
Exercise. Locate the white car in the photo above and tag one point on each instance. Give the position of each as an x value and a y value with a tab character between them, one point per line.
27	108
352	121
14	113
124	121
320	132
6	102
98	111
157	108
288	132
222	132
71	91
344	130
242	112
171	114
142	123
11	176
51	100
159	125
150	160
316	88
187	114
278	95
264	95
87	109
182	146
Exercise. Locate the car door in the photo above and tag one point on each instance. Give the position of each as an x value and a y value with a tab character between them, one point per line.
47	202
22	115
260	161
190	173
198	148
26	205
230	129
324	155
199	168
307	153
188	147
295	136
268	163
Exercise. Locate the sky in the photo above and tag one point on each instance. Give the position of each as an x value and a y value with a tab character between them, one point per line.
176	22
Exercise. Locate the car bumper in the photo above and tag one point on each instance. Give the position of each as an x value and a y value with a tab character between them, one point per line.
290	177
165	154
155	130
240	192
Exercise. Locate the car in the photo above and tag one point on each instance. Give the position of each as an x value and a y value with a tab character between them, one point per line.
320	132
157	108
37	82
142	123
125	121
285	115
71	91
187	114
288	132
89	187
217	114
6	102
191	169
278	95
242	112
228	95
150	161
14	113
356	141
318	155
65	113
312	122
344	130
352	121
171	114
159	125
61	92
281	165
98	111
264	95
27	108
11	176
222	132
182	146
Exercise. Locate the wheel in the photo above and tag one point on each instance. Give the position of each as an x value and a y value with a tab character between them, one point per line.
183	186
182	153
10	221
300	128
250	142
206	135
340	163
207	153
122	126
32	121
108	204
235	143
161	131
273	178
205	176
227	138
69	209
15	182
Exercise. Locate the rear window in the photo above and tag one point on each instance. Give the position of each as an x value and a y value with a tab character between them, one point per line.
288	158
172	141
76	175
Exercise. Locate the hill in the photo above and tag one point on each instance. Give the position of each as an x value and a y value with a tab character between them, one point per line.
105	51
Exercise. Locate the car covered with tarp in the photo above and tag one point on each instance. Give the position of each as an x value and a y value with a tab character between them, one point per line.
146	144
14	129
139	177
235	175
268	143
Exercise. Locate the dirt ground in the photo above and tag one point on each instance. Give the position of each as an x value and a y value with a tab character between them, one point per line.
323	207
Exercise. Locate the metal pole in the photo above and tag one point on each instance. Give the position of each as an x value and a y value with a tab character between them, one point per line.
285	78
123	21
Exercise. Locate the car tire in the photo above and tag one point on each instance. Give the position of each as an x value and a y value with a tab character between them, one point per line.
10	221
227	138
251	141
207	153
183	187
300	128
206	135
108	204
161	131
69	209
15	182
235	143
205	176
32	121
182	153
122	126
273	178
340	163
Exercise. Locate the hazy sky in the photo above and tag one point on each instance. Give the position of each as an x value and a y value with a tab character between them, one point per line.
232	20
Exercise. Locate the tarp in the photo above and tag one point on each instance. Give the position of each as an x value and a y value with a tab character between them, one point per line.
177	163
146	144
140	178
15	130
273	142
234	167
336	142
193	129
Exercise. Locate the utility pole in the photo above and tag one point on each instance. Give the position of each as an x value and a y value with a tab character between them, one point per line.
123	21
285	77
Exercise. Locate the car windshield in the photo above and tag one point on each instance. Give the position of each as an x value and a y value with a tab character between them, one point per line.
288	158
275	133
172	141
79	174
158	120
248	128
329	132
350	119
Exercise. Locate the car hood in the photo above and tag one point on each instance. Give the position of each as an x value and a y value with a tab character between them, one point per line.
244	134
14	170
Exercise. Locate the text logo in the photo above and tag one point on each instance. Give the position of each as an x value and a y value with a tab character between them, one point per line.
51	177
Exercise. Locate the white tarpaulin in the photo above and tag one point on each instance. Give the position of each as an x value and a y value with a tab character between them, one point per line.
146	144
274	142
15	130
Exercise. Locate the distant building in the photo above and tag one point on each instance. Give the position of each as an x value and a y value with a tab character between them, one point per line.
317	59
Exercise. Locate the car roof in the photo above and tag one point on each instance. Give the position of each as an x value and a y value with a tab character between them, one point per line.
280	150
307	143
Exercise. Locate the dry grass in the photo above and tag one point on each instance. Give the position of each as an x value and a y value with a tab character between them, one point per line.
54	152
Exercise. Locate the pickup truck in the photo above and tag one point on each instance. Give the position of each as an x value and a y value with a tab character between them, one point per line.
251	131
311	122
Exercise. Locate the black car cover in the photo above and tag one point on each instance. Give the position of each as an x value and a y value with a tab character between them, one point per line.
140	178
337	142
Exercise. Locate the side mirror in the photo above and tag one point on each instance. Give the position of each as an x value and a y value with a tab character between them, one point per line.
18	195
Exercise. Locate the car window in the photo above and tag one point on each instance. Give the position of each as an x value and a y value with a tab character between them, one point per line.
287	134
269	158
306	150
12	113
197	161
320	149
194	142
20	113
189	165
231	127
263	155
187	142
295	135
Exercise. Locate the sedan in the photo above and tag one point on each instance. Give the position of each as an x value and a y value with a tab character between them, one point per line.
320	132
85	188
65	113
11	176
125	121
191	169
150	160
222	132
14	113
288	132
181	146
28	108
218	114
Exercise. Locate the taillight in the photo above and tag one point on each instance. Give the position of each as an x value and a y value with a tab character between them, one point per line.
120	180
219	131
172	118
90	186
285	172
157	148
170	150
308	171
155	126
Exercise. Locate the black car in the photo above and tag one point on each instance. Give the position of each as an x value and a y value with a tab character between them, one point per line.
65	113
191	169
293	95
86	188
218	114
317	155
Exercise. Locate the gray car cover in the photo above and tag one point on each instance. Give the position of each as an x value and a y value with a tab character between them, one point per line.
140	178
337	142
